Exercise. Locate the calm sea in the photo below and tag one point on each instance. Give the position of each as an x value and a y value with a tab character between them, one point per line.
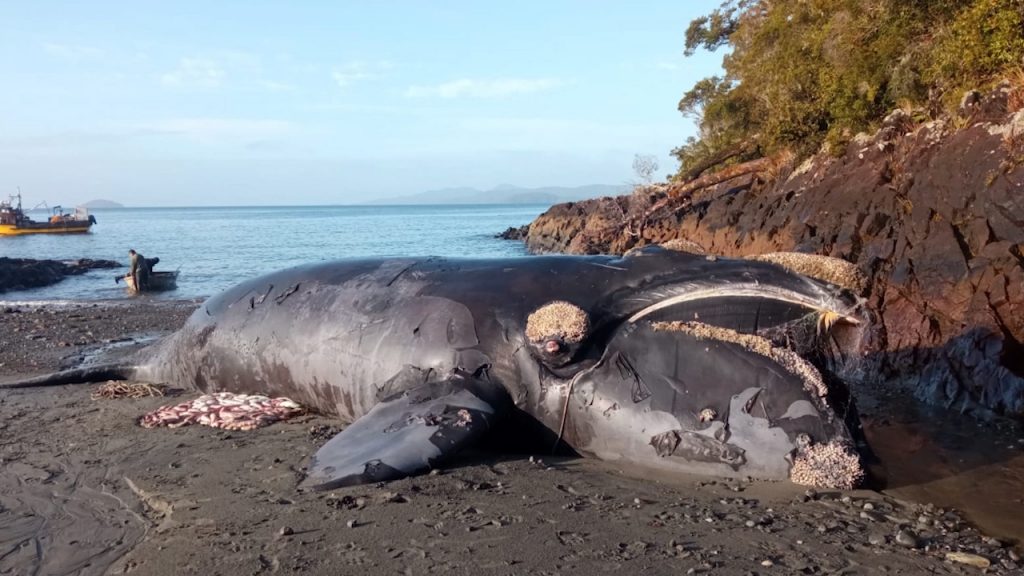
217	247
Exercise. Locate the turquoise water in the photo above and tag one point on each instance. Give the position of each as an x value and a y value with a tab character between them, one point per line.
217	247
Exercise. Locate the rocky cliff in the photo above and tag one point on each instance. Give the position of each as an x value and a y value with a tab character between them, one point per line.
932	213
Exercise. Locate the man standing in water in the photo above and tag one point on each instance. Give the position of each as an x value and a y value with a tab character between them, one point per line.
139	269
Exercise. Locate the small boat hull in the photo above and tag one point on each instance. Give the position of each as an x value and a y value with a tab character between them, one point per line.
45	228
158	282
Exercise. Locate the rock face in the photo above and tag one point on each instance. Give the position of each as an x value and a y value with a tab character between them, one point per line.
25	273
513	233
933	216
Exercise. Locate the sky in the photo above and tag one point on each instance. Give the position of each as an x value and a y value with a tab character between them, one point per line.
261	103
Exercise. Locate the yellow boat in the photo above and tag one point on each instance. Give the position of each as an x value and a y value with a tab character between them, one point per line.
14	222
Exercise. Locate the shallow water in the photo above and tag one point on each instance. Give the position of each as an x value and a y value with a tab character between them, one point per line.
932	456
217	247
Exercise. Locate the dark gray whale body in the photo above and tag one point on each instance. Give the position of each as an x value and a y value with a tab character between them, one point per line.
662	359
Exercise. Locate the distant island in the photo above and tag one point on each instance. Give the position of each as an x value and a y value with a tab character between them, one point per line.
507	194
99	203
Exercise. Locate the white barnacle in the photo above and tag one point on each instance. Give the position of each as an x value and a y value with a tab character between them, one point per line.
832	270
834	465
787	359
558	319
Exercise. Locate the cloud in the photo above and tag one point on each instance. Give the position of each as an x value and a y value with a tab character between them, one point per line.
194	73
75	140
71	51
552	134
178	134
215	130
239	59
346	79
272	86
496	88
355	71
667	66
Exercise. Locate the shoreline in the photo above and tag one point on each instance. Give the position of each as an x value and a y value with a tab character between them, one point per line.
43	337
200	500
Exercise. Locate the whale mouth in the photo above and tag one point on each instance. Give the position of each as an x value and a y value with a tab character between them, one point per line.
743	295
695	398
728	371
812	318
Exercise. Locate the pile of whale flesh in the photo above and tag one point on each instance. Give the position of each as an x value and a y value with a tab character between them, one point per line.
224	410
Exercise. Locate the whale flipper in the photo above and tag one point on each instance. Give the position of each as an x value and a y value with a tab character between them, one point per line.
408	433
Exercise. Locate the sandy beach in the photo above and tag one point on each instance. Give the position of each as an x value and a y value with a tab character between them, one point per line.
85	490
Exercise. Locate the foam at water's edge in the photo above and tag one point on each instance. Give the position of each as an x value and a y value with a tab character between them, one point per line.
54	303
92	303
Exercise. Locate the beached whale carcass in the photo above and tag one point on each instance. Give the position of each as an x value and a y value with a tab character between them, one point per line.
663	359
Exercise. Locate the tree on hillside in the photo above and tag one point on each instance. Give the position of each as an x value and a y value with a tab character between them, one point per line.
644	166
802	73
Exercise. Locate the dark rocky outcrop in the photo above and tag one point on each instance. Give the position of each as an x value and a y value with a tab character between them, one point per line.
513	233
933	215
26	273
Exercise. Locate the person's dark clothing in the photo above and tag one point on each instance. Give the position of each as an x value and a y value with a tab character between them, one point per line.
139	270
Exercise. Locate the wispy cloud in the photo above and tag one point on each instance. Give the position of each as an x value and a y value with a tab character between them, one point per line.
239	58
272	86
494	88
194	73
75	140
248	133
347	75
551	134
214	130
71	51
666	65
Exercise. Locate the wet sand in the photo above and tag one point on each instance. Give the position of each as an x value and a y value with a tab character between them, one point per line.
84	490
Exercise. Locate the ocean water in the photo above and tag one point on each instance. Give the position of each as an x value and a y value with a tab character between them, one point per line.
215	248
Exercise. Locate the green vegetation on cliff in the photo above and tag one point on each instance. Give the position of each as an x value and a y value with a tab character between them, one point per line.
800	73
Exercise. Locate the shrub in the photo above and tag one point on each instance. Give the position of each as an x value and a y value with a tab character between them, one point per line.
800	73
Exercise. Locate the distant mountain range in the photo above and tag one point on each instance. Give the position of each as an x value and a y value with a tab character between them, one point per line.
506	194
98	203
